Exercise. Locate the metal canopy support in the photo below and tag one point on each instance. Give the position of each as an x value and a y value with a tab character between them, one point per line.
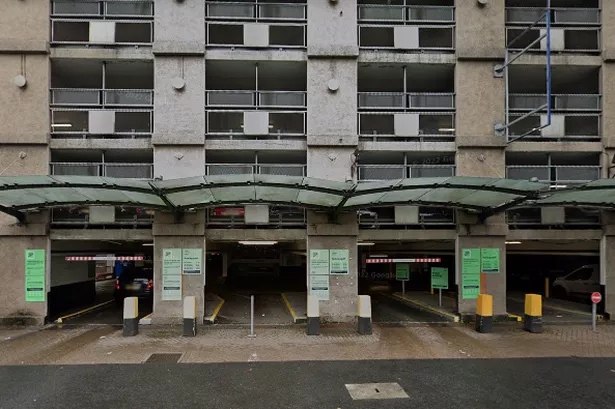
503	129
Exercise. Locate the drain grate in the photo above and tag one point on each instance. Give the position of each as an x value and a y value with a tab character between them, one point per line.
363	391
163	358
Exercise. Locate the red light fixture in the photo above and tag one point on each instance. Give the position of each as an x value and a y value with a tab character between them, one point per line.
117	284
150	284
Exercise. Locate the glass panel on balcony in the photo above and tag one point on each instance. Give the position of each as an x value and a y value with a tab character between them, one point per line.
588	126
128	97
282	99
129	122
287	35
376	124
225	122
577	173
229	169
75	169
286	123
75	97
435	37
135	8
133	33
230	98
75	7
381	100
577	102
580	16
225	34
69	121
75	32
236	10
431	13
282	170
282	11
133	171
377	172
521	15
431	101
431	171
375	12
528	172
435	124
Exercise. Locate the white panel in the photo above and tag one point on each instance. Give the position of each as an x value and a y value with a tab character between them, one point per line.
256	214
406	37
102	32
406	215
552	215
556	129
365	306
190	307
102	214
313	309
406	124
101	122
256	123
256	35
557	39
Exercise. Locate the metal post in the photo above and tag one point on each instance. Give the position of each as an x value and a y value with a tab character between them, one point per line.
403	287
440	297
594	308
252	317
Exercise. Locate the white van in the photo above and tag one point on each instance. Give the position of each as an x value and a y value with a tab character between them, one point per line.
580	283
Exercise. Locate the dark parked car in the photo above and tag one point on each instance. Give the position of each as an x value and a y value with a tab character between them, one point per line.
134	282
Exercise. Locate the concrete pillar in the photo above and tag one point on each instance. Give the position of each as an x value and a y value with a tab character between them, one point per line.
493	284
179	28
607	40
189	233
607	75
224	266
480	32
607	272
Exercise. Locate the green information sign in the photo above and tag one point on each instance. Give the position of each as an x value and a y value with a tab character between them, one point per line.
171	274
439	278
470	273
192	261
319	262
319	287
35	275
402	272
339	261
490	260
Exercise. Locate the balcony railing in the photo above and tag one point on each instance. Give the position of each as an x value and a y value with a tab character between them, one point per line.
101	123
115	170
263	169
559	102
407	38
569	39
558	176
421	126
569	126
387	172
253	11
101	98
250	99
279	217
409	100
531	218
405	14
559	16
100	8
384	218
125	217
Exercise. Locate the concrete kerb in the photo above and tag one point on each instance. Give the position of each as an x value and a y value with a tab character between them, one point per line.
424	307
211	319
297	319
60	320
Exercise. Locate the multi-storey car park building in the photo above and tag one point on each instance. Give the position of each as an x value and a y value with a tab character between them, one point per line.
352	92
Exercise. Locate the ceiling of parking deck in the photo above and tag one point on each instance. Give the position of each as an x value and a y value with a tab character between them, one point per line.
481	195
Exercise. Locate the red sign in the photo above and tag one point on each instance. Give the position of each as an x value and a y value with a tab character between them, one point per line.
596	298
227	211
402	260
103	258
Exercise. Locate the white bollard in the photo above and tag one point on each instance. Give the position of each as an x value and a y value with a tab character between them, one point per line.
131	316
189	316
313	315
365	315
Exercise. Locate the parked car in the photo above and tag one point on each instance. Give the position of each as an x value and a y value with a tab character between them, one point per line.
134	282
580	283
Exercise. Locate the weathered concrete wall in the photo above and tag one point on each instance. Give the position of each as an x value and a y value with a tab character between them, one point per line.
25	26
179	27
607	37
13	306
332	29
24	112
608	99
179	115
172	162
607	263
480	32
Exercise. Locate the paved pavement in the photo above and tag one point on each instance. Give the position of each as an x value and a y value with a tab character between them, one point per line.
499	383
553	313
269	309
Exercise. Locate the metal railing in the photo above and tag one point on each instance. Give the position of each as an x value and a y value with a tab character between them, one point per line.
76	121
279	34
436	38
559	102
125	33
401	14
101	97
124	217
249	99
248	168
279	216
570	39
408	100
573	125
531	218
116	170
369	173
384	217
99	8
282	123
251	11
561	16
430	125
559	176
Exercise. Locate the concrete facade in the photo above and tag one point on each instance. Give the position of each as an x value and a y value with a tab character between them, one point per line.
331	134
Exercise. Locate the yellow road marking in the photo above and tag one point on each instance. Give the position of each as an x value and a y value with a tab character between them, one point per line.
290	308
550	307
428	307
515	316
213	316
59	320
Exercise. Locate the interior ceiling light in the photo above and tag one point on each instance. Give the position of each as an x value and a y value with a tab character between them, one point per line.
148	244
446	130
61	125
258	243
365	243
378	256
513	242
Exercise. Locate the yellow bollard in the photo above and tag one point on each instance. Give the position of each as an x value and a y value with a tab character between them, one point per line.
532	321
484	313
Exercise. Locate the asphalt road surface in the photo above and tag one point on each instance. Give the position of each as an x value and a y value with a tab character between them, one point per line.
460	383
388	311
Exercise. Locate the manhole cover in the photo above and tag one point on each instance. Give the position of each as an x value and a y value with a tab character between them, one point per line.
163	358
360	391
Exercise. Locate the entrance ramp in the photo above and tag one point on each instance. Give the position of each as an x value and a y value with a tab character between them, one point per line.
297	306
554	311
428	302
